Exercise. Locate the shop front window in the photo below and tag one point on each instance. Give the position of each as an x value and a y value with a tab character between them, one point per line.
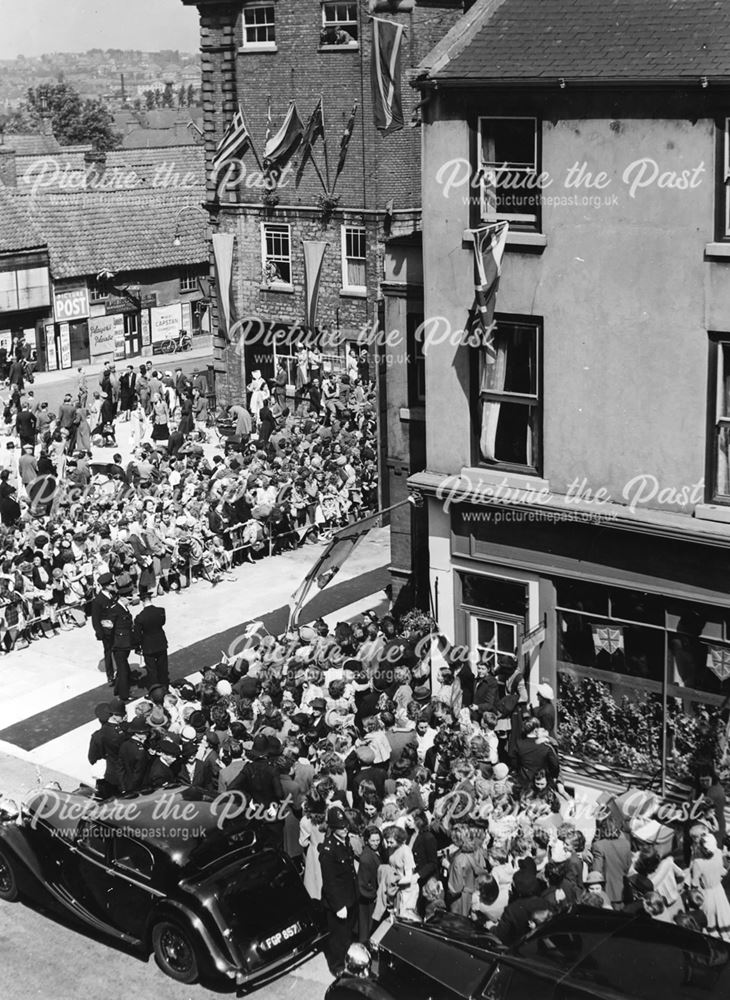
642	680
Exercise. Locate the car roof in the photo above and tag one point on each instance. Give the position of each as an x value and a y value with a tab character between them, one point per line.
612	954
187	825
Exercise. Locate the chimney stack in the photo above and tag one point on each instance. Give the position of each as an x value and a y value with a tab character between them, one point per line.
8	173
95	163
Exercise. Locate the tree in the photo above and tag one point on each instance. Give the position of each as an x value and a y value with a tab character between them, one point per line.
137	104
158	98
168	96
74	121
191	95
149	97
181	96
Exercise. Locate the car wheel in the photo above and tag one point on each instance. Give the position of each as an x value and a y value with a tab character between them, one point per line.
174	951
8	879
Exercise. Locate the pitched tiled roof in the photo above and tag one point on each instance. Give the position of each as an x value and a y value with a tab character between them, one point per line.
16	230
67	170
31	144
87	231
586	40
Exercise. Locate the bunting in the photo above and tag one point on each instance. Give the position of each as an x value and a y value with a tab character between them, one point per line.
609	639
385	75
223	257
314	251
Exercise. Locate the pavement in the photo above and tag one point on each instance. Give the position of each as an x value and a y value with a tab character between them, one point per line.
46	719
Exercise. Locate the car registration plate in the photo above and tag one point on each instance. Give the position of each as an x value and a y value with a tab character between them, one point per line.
281	936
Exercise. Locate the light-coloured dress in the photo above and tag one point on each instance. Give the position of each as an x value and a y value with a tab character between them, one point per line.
310	837
707	875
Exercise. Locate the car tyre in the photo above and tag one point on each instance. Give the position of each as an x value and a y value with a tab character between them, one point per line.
174	950
8	878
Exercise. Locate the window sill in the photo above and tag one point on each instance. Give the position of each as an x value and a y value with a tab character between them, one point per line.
535	242
353	293
416	414
339	48
712	512
507	479
286	289
246	49
717	251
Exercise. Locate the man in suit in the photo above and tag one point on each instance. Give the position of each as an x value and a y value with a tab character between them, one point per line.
151	640
134	761
26	426
66	413
105	744
199	762
165	768
102	623
123	641
486	689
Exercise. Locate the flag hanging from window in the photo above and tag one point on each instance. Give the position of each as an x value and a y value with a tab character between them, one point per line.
345	142
314	251
223	257
718	660
235	141
385	75
609	639
489	243
282	144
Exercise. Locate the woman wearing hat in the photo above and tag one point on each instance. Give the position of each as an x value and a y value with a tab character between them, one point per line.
706	874
160	419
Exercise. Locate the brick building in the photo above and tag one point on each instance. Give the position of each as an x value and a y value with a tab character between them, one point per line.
260	54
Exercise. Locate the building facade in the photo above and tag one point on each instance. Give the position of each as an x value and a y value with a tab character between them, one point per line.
577	461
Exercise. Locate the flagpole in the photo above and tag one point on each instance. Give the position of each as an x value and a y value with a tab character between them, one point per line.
319	173
250	138
324	143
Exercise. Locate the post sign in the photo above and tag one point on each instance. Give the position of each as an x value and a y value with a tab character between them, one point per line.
187	317
101	336
165	322
71	304
65	345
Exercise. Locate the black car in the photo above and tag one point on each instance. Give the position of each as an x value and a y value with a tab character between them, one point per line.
582	954
164	873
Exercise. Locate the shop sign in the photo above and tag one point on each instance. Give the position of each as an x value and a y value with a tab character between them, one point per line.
101	336
72	304
51	355
187	317
65	345
119	345
31	338
165	322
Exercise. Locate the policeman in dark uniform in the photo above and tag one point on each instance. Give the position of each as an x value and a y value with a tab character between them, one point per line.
105	744
165	768
123	635
101	622
339	889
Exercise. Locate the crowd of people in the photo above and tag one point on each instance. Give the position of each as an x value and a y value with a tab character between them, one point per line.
409	787
188	501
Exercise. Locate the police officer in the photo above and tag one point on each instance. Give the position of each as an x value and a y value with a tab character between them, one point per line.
105	745
123	637
102	623
339	889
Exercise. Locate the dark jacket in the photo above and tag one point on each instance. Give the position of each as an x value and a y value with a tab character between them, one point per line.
260	781
134	763
149	631
529	757
425	854
339	881
205	774
515	921
105	745
100	610
123	635
486	693
162	774
367	873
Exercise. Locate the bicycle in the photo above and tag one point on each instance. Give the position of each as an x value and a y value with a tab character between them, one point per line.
177	345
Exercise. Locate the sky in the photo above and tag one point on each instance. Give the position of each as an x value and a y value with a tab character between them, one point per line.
39	26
